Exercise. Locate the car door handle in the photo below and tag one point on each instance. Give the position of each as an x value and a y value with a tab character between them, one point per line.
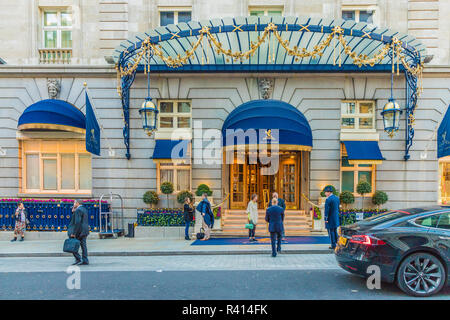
444	238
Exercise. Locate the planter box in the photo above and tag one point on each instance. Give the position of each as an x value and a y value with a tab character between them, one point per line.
160	232
217	224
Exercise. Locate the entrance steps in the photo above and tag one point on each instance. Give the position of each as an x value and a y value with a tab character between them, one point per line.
296	223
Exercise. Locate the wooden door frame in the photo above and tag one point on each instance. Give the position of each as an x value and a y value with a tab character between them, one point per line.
296	162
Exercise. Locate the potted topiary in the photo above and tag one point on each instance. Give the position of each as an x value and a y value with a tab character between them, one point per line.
201	189
346	198
151	198
182	195
379	198
167	188
363	188
323	196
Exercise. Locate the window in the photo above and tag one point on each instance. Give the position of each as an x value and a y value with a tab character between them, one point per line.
173	16
178	174
444	221
265	11
174	114
358	15
429	221
57	29
352	174
358	115
62	166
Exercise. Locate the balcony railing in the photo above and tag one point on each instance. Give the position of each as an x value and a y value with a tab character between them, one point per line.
55	56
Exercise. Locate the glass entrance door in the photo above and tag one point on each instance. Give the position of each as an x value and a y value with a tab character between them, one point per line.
237	183
289	182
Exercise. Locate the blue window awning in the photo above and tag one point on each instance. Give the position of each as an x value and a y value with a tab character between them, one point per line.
363	152
443	136
171	149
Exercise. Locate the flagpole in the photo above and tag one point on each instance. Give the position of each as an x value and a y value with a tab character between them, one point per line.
111	151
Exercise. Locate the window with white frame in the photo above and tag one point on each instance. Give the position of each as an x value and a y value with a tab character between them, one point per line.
174	114
352	174
174	15
178	174
358	115
265	11
358	15
55	166
57	29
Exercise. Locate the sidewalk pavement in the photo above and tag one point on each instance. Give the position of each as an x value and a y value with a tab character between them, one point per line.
147	247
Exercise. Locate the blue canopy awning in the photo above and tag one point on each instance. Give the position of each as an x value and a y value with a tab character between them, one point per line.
171	149
52	114
363	152
443	138
266	117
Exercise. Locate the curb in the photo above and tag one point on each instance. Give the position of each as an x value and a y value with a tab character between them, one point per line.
159	253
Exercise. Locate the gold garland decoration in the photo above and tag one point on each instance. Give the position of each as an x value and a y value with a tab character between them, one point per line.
337	34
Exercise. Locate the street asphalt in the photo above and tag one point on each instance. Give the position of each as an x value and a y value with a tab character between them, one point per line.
249	277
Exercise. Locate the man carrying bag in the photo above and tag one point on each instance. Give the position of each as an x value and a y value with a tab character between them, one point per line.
79	229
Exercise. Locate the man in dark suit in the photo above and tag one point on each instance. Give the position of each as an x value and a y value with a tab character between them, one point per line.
331	215
79	229
275	217
281	204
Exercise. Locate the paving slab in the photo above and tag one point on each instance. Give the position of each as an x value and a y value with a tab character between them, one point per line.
146	247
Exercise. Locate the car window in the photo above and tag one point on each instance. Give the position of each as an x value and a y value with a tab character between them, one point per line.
429	221
444	221
384	217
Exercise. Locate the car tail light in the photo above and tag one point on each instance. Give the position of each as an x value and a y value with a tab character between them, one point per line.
366	240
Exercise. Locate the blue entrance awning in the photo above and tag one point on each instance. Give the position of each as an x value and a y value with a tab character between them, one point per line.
363	152
443	137
171	149
267	120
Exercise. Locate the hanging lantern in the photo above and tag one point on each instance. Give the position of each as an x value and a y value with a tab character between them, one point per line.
391	117
149	114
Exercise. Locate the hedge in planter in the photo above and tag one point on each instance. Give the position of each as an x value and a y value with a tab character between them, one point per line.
162	218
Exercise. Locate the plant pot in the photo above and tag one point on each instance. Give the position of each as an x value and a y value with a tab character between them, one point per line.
217	224
319	225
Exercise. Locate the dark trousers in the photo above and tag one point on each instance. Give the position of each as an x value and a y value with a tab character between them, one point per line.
84	251
275	236
332	232
186	229
251	232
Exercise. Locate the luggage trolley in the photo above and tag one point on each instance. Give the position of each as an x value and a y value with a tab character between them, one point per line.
110	222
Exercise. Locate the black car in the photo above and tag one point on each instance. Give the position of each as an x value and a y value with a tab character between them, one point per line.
411	247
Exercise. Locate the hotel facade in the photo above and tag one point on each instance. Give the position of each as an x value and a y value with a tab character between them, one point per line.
325	110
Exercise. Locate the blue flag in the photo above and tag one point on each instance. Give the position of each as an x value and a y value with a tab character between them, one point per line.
92	130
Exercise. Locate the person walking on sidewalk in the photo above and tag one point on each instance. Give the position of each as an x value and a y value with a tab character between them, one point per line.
275	217
188	216
281	204
204	207
252	212
79	228
20	222
331	215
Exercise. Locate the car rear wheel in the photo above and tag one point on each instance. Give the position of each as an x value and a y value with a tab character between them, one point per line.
421	274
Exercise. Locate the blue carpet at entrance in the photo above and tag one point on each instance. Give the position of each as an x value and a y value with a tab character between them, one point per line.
264	240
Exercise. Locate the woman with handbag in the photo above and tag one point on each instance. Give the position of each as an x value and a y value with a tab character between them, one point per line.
21	222
252	212
188	216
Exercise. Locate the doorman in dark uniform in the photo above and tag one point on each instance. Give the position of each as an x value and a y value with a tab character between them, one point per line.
331	215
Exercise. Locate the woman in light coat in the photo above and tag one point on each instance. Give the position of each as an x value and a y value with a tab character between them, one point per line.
252	212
